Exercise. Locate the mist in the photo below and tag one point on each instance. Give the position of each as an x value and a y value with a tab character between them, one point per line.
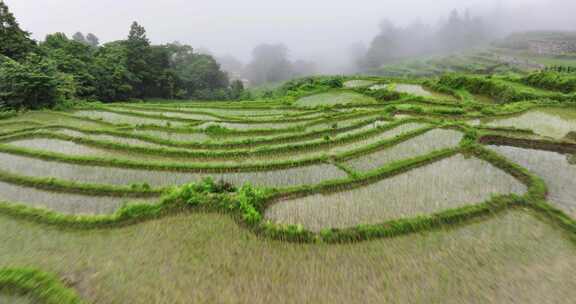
323	32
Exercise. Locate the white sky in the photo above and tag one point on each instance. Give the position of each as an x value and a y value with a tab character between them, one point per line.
310	28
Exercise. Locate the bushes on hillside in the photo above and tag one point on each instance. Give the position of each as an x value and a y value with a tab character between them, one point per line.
307	84
550	80
485	86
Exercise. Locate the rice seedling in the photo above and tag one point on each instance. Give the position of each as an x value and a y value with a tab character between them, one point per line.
62	146
118	176
120	119
553	167
418	90
16	299
433	140
110	138
175	136
256	126
56	118
171	114
510	256
66	203
446	184
408	208
358	83
550	122
334	98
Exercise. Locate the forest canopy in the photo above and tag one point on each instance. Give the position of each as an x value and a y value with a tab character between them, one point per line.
42	74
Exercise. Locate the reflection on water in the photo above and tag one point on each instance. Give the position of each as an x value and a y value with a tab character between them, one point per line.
554	168
418	90
357	83
550	122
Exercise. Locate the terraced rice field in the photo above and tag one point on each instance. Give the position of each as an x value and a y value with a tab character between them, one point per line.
555	168
334	98
419	90
306	204
472	180
550	122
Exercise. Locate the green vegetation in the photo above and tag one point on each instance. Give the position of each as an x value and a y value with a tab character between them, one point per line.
58	71
282	194
549	80
116	187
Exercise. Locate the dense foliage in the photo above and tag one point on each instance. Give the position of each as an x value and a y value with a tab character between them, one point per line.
502	92
564	82
59	69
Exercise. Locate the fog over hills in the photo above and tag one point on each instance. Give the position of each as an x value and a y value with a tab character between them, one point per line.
322	31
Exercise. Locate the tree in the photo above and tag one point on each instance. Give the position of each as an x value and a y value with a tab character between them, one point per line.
269	64
92	40
110	70
236	89
461	32
231	65
302	68
14	42
197	75
383	48
74	58
34	83
138	52
79	37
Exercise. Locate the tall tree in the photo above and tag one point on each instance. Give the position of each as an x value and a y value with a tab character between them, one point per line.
198	75
138	54
92	40
74	58
269	64
14	42
79	37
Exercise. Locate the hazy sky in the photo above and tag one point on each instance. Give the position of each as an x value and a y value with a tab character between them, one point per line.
310	28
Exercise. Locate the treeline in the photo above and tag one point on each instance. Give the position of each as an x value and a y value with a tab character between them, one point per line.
59	69
392	44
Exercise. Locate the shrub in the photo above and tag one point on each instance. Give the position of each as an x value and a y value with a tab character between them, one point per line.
550	80
216	129
503	92
250	202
